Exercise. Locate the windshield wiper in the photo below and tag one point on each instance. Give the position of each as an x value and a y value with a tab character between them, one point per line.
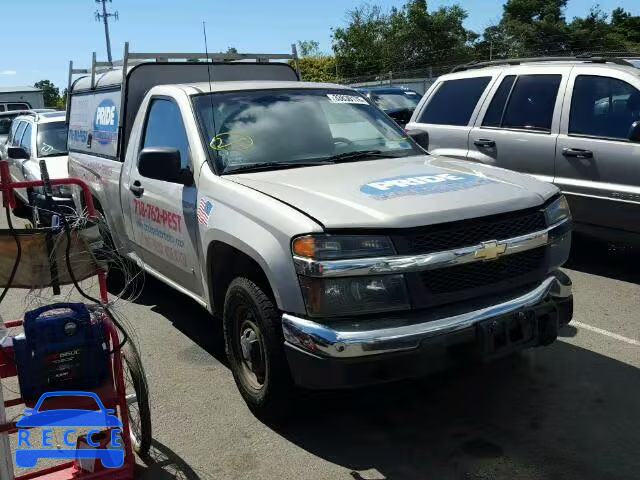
360	155
257	167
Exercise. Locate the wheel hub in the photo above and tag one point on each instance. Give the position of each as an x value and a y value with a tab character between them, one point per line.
252	352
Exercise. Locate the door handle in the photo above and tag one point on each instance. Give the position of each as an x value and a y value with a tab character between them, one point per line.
136	189
484	143
577	153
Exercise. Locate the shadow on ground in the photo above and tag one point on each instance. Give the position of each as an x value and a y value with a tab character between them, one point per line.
620	262
561	412
185	314
163	464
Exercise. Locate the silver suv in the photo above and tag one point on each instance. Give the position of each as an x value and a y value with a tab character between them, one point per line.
572	122
34	137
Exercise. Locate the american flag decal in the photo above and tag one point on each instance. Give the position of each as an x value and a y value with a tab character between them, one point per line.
205	207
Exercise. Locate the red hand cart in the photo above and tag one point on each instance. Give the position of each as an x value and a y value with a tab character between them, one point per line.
112	394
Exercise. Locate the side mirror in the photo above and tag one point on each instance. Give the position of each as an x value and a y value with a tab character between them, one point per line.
17	153
420	137
634	132
163	163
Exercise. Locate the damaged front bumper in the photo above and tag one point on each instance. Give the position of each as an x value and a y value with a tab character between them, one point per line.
352	352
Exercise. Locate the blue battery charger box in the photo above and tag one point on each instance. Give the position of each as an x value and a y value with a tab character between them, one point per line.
62	348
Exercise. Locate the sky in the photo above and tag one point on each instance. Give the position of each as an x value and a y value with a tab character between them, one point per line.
44	34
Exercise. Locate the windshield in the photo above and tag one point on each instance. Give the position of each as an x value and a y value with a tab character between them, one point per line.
296	127
396	101
52	139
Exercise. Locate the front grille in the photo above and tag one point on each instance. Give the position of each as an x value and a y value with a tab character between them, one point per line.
508	269
467	233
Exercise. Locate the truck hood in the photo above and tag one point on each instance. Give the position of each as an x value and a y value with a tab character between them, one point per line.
399	193
58	167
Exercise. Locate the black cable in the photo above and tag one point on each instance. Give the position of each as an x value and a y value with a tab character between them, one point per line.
67	229
18	255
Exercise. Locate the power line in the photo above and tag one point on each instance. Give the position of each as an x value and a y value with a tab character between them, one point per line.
104	17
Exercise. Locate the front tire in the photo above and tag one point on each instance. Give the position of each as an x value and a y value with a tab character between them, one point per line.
254	346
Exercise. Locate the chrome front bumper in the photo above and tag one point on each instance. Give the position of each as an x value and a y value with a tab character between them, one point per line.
324	341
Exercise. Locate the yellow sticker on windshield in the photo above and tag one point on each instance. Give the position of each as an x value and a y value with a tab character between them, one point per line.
231	141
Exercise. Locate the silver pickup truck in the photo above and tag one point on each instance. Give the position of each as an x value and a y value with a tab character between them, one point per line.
335	251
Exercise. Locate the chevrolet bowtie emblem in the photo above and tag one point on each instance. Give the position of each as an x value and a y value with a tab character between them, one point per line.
490	250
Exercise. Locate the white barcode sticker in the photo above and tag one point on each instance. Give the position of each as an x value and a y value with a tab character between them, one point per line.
340	98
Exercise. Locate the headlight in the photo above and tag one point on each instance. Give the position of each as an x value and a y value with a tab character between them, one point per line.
355	295
349	295
333	247
557	211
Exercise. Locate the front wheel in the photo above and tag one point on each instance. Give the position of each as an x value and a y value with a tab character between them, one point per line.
254	345
137	395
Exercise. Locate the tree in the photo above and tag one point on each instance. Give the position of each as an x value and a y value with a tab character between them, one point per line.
318	69
62	101
232	51
405	38
359	46
308	48
50	92
535	27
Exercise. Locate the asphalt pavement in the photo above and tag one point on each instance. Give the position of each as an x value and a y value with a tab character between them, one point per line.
567	411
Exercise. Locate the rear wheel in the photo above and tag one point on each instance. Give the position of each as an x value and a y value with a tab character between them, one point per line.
137	392
254	345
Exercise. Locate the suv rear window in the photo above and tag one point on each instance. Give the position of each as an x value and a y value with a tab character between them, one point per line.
454	101
603	107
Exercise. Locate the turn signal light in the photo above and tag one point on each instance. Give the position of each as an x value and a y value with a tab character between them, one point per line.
304	246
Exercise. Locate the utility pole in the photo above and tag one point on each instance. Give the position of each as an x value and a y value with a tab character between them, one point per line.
104	16
491	51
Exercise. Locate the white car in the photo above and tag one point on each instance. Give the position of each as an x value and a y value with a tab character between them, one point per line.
34	137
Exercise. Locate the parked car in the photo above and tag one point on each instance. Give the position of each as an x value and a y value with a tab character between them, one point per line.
335	252
33	137
575	123
397	102
6	118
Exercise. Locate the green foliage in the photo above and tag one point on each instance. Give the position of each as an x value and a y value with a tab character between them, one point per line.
317	69
374	41
50	92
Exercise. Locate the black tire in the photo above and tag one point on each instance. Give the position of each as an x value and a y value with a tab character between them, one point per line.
139	411
22	210
264	381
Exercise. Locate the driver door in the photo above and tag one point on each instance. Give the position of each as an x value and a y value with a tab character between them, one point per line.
163	213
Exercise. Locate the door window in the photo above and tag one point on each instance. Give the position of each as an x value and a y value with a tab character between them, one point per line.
12	132
18	135
454	101
165	129
493	117
25	142
18	106
603	107
531	103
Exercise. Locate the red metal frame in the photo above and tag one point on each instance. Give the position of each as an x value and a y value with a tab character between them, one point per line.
113	394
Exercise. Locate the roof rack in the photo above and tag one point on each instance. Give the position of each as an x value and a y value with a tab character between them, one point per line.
519	61
135	58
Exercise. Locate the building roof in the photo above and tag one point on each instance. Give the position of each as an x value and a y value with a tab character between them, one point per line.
18	89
